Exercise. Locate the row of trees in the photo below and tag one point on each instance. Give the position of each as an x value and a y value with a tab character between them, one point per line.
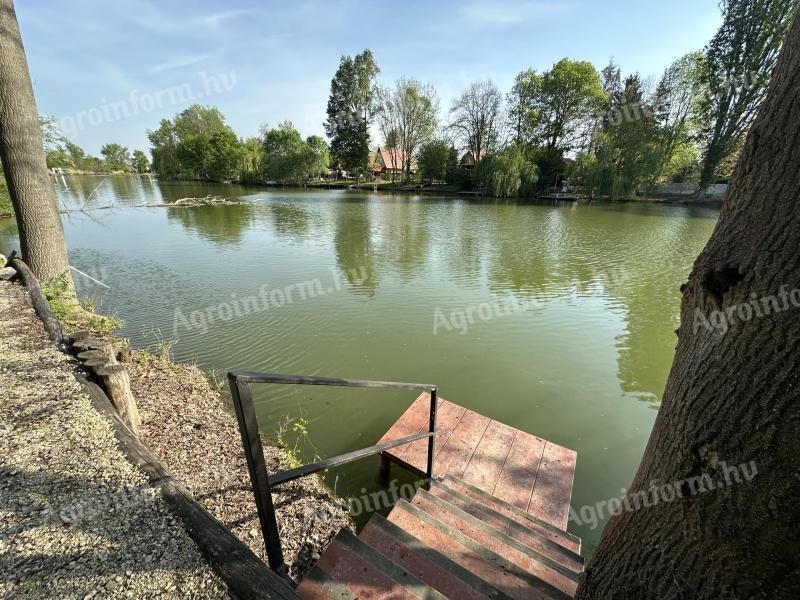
626	133
114	158
198	144
621	133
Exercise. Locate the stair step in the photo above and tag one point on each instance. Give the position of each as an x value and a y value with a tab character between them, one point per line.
536	563
560	536
534	540
369	574
473	556
318	585
427	564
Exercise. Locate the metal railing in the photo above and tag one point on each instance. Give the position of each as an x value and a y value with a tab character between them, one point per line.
263	482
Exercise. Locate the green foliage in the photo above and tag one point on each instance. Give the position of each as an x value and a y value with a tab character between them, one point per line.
524	114
72	314
116	157
683	165
251	161
348	109
549	165
164	150
628	146
290	159
320	158
508	174
291	453
407	117
735	74
139	162
196	144
436	159
563	101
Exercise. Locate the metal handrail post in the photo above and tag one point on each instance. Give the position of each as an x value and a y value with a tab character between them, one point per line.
259	478
432	431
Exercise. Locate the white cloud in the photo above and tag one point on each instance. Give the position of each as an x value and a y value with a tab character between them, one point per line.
509	12
215	19
179	63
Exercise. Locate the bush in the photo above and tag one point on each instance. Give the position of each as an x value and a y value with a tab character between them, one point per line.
508	174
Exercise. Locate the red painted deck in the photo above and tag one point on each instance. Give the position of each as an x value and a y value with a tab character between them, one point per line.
526	471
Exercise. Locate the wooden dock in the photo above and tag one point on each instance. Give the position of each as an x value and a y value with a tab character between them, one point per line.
491	525
530	473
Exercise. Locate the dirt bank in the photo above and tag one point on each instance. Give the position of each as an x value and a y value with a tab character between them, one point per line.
185	423
77	519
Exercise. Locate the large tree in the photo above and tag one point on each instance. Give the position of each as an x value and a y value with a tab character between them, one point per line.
22	152
675	101
407	117
476	118
290	159
196	144
349	106
732	397
116	156
735	74
523	114
569	96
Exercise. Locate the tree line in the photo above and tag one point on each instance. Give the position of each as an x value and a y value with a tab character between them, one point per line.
610	132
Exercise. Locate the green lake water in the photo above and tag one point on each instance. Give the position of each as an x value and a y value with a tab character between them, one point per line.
556	319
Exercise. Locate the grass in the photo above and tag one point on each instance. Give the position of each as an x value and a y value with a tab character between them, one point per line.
76	315
290	455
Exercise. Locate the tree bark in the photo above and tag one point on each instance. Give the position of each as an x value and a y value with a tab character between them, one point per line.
732	397
40	230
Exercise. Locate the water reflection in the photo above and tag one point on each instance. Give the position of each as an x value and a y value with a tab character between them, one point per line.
290	220
405	236
355	251
221	225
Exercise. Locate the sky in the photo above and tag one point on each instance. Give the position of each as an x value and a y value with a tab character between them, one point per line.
109	71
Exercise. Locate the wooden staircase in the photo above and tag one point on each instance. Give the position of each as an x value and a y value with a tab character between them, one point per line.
453	541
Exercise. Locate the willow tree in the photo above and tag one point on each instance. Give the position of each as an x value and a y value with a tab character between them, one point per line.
732	398
22	153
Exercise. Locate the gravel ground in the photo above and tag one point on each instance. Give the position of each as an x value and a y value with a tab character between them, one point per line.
185	423
76	518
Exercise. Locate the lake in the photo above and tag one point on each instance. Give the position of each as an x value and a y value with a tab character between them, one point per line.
556	319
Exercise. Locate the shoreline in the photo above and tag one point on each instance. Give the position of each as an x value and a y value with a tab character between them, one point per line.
188	427
187	424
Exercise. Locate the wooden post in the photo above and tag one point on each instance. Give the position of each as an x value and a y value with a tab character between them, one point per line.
117	385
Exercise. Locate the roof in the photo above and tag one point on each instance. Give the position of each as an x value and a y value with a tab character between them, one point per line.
392	158
469	157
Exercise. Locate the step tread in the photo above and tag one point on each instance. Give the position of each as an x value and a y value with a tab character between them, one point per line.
370	574
525	535
429	565
490	566
318	585
536	563
561	536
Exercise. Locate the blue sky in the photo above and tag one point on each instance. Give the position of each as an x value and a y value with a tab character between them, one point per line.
274	61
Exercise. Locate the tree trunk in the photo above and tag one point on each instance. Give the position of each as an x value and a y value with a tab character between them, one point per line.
731	410
21	151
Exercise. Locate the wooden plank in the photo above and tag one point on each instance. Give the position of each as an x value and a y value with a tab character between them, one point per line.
412	421
553	488
448	417
486	464
458	450
515	484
